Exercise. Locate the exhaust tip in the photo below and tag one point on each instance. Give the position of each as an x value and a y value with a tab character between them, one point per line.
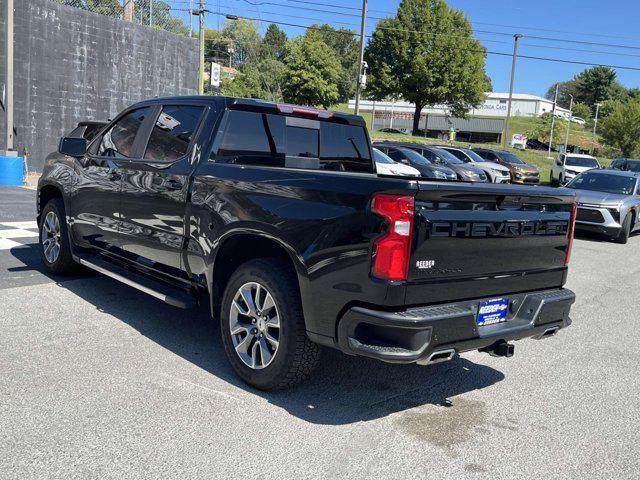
438	356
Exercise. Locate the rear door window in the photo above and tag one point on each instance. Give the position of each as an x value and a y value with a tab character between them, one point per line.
119	140
173	131
251	138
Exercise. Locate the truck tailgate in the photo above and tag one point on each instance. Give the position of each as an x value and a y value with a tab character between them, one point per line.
487	239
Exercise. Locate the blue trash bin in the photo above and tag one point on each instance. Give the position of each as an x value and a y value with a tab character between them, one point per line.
11	171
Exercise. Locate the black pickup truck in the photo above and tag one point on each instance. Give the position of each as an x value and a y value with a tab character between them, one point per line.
275	215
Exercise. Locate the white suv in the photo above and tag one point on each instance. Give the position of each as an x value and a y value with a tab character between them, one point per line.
568	165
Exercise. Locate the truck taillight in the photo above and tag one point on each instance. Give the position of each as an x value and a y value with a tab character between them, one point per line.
572	227
392	250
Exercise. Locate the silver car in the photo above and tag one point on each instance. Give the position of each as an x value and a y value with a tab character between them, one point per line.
608	202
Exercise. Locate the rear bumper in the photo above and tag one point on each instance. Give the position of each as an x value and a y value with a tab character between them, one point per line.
415	334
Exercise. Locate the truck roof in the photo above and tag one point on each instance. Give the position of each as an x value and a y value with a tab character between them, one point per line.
265	106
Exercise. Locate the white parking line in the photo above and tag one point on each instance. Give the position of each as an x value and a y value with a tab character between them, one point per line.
31	224
6	244
17	233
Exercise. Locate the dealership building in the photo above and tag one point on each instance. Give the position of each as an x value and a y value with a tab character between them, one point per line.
495	105
436	122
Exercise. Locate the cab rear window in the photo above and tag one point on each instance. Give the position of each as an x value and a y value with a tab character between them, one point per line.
262	139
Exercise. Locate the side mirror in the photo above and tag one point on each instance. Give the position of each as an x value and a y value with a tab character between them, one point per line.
73	147
558	163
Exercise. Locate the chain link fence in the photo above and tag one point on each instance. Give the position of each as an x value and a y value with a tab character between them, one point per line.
170	15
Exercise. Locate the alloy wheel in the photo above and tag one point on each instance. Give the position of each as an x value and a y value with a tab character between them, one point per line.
50	237
254	324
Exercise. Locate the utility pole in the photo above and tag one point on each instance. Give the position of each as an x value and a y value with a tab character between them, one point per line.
201	50
8	100
129	9
516	37
150	13
566	138
190	18
595	126
553	120
361	56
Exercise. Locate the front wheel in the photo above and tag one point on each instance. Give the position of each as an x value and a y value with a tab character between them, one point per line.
55	248
262	326
623	236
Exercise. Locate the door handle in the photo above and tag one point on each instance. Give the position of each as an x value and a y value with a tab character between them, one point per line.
173	185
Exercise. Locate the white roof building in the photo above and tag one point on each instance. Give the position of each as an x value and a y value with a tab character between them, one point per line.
523	105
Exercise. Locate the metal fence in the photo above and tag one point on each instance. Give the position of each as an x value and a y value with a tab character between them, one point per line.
171	15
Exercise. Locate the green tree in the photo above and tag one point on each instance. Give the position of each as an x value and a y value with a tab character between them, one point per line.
597	84
312	72
111	8
541	129
343	42
274	43
582	110
622	128
244	41
217	46
429	56
565	90
261	79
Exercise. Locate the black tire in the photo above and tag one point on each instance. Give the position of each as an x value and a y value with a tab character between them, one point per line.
623	236
552	180
63	264
296	355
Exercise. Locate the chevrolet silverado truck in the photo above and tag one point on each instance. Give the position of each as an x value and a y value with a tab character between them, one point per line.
274	216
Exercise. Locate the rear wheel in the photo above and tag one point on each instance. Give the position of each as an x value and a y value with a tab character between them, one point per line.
552	180
262	326
55	248
623	236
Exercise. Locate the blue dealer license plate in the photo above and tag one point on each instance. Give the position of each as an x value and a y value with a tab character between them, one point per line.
493	311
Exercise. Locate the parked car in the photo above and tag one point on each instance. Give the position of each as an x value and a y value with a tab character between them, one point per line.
441	158
608	202
393	130
628	164
274	215
567	166
413	159
578	120
386	166
86	130
521	172
495	172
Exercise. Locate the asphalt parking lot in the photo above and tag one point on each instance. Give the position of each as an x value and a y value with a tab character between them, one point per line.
98	380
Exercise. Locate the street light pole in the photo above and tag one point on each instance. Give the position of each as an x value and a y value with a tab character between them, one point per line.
595	125
201	49
553	120
566	138
516	37
361	56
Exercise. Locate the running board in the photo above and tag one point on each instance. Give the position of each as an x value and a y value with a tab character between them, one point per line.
145	284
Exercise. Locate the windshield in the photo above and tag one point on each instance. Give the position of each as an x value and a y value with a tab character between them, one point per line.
448	157
380	157
603	182
581	162
633	166
414	157
474	156
511	158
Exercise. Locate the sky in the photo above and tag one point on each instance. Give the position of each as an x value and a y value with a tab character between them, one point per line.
494	21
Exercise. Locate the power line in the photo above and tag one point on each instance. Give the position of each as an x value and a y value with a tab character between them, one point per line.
552	47
489	32
488	52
